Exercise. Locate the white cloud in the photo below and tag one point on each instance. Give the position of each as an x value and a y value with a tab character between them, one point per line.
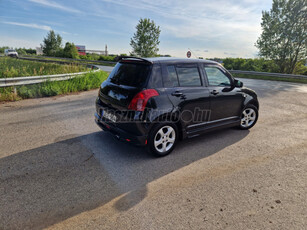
13	42
30	25
55	5
67	33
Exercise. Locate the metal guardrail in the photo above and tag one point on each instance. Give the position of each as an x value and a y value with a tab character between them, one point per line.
17	81
282	75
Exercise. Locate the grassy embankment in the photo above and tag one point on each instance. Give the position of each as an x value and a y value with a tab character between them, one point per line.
304	81
12	67
85	82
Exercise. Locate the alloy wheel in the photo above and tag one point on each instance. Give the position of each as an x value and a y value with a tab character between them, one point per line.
248	117
164	139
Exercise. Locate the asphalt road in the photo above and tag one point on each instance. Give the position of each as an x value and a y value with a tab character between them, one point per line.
58	170
105	68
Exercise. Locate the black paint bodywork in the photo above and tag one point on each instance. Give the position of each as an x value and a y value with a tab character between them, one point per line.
224	103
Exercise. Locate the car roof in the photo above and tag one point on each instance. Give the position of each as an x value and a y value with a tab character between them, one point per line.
169	60
178	60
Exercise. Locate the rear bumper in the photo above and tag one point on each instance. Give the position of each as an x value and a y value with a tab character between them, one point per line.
120	134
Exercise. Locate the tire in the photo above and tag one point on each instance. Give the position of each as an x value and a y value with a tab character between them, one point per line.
249	117
162	139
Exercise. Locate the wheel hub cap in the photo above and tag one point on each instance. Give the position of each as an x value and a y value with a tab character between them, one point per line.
248	117
164	139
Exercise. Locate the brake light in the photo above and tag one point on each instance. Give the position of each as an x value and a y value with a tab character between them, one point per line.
138	103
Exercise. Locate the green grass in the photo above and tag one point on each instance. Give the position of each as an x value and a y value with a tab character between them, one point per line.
91	80
12	67
304	81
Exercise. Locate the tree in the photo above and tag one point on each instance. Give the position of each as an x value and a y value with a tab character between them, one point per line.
146	39
70	50
284	30
3	48
51	44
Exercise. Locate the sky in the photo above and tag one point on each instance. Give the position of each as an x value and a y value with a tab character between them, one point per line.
209	28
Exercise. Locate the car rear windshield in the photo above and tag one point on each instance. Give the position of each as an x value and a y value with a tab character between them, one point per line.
130	74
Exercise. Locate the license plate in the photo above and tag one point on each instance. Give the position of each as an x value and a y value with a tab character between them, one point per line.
108	115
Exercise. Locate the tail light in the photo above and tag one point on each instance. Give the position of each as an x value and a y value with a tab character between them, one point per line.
138	103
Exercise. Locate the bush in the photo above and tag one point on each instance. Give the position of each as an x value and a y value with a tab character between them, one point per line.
107	58
70	51
260	65
257	64
7	94
300	69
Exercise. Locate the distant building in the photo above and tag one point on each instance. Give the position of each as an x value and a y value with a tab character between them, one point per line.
81	49
39	51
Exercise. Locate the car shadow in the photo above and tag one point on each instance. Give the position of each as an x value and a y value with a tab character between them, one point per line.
46	185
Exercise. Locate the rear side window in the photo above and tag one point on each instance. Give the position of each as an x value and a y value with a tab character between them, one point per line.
182	76
155	78
130	74
188	76
171	79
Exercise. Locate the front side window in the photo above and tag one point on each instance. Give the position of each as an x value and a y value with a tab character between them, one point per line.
216	77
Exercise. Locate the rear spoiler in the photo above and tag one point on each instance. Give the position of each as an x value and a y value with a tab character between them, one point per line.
119	58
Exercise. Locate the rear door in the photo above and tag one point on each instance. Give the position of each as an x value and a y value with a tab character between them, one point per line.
225	100
123	83
185	89
116	93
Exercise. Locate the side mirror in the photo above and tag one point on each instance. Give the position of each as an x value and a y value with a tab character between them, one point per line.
238	84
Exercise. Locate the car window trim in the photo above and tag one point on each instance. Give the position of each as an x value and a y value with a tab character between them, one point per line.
203	75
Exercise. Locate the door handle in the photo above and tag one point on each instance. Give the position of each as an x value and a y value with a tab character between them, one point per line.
177	94
214	92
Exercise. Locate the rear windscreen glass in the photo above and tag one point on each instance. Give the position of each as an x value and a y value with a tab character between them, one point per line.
130	74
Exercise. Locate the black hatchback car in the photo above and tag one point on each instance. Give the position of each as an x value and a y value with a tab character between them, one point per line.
155	102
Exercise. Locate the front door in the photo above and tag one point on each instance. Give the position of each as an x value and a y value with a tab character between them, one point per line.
225	99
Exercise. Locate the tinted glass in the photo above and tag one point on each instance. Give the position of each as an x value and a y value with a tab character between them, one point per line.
188	76
129	74
171	79
216	77
155	78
